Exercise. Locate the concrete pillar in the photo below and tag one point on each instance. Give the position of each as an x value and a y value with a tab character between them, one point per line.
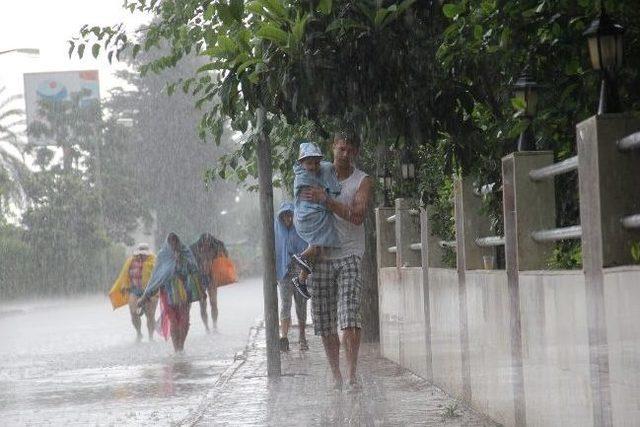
407	233
470	225
609	190
431	251
463	204
386	237
528	206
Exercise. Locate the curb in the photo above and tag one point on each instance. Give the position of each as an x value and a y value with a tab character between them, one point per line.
239	359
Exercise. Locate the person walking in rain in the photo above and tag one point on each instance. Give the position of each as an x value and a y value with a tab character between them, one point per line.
130	285
336	282
177	278
288	243
206	249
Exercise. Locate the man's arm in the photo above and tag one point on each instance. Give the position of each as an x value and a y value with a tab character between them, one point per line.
353	213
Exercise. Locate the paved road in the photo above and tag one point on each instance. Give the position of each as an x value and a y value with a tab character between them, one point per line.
76	361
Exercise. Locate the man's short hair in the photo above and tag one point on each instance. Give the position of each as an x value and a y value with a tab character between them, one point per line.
348	136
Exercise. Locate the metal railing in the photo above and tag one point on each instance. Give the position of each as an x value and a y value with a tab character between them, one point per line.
490	241
486	189
630	222
448	244
629	142
415	246
559	168
555	234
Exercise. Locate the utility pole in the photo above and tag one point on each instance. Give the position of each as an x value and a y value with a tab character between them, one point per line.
269	284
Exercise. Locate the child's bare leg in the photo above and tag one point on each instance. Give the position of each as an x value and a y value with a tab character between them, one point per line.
310	253
302	275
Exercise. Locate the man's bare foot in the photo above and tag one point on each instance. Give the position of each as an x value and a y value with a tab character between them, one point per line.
354	385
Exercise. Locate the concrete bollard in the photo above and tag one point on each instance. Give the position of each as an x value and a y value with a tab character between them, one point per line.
431	251
528	206
609	189
386	237
407	233
470	225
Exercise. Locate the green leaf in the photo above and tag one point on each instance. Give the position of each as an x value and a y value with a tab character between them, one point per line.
518	103
381	14
406	4
237	9
226	44
136	50
344	24
477	32
273	33
635	252
572	67
209	12
242	67
298	27
81	50
275	7
450	10
212	66
324	6
505	38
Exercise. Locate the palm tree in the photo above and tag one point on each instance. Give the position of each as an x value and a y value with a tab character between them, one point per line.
12	163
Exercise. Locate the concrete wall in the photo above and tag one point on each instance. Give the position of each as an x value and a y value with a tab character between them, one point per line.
622	311
555	348
413	350
555	345
446	355
390	309
489	344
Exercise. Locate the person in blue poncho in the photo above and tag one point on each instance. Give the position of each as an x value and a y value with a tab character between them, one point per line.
313	221
177	278
288	243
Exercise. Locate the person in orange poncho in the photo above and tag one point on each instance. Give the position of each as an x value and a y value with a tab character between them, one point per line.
130	285
206	249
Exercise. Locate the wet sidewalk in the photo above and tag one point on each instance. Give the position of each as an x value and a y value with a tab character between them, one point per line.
304	396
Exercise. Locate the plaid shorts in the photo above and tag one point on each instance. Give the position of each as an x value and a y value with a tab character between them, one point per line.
336	289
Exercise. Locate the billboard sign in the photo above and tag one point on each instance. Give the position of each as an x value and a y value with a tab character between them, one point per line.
57	87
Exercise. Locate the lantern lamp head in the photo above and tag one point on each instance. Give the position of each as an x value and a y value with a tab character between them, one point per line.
604	38
526	89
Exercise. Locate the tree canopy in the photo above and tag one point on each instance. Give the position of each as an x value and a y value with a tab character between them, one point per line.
432	77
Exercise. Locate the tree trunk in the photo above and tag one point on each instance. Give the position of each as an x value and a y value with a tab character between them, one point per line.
370	315
268	246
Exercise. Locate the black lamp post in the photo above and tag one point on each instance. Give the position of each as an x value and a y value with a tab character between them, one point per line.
526	89
605	49
386	182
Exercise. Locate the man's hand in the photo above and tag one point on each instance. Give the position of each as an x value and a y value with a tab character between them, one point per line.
314	194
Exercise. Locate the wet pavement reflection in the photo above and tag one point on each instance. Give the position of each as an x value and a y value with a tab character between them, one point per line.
75	361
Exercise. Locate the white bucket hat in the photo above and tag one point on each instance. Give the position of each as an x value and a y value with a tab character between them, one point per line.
309	149
142	249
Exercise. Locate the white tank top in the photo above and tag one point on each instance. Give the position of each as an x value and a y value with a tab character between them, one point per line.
351	236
